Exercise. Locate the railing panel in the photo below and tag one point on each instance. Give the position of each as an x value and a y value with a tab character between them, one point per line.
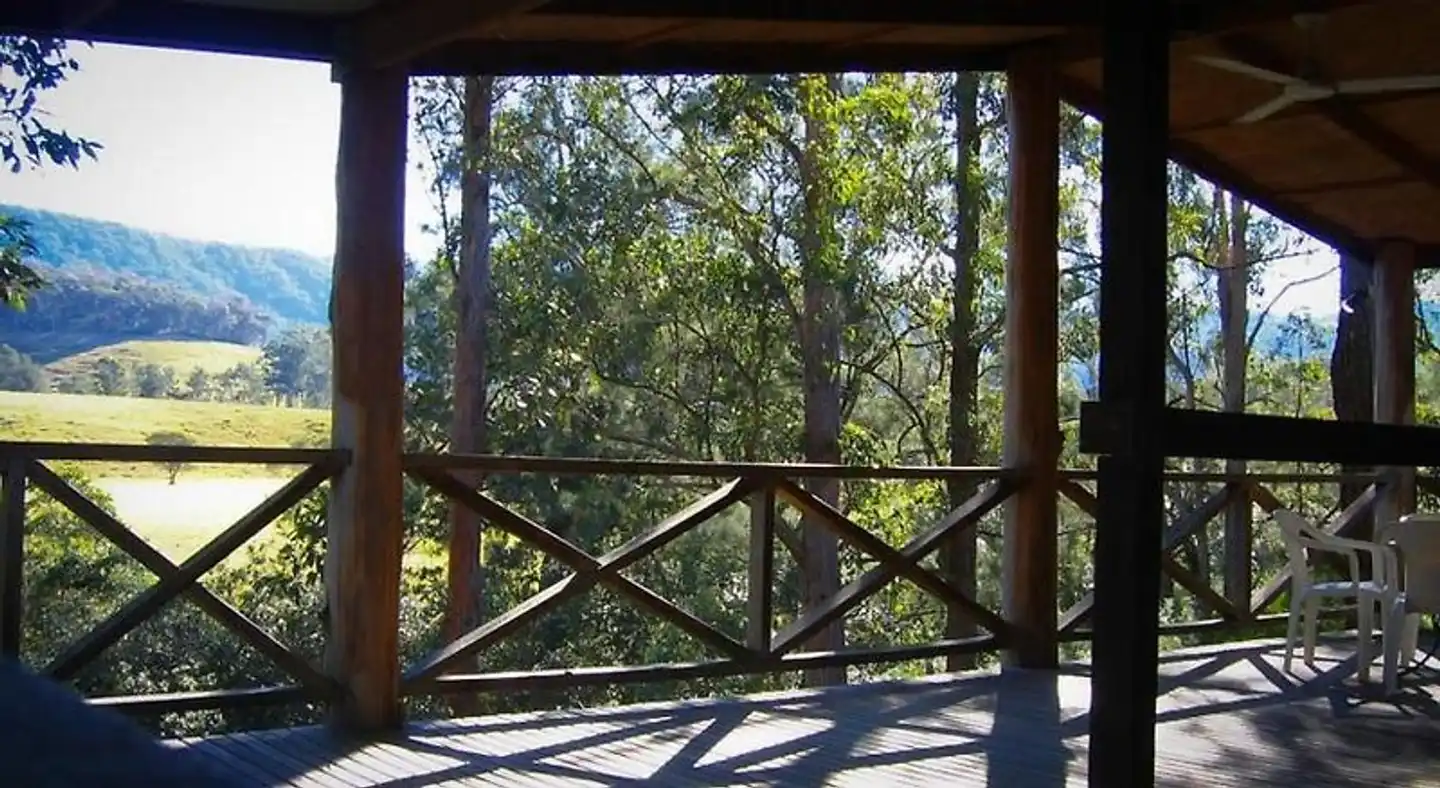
771	637
1194	562
82	513
575	568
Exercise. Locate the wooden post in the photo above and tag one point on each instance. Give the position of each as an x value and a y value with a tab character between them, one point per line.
12	557
1133	303
362	563
760	611
1032	414
1394	303
1235	321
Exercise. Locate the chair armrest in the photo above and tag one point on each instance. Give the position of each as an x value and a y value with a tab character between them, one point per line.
1383	558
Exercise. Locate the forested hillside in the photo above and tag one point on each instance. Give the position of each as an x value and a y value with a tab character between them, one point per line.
290	285
80	307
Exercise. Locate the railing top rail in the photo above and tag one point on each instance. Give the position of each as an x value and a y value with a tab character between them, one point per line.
1263	477
598	466
588	466
126	452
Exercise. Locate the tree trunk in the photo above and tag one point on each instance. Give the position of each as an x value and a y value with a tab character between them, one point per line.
820	361
472	301
958	557
1352	363
1235	320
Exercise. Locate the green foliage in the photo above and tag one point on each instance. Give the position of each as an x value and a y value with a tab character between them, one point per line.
17	279
296	366
167	438
18	372
28	68
84	308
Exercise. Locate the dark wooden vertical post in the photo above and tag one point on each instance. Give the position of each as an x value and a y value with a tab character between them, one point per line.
1394	309
362	565
1133	296
1235	316
1032	414
12	557
761	587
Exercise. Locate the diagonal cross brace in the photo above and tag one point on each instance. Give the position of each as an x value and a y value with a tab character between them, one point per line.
1177	532
588	570
904	562
182	579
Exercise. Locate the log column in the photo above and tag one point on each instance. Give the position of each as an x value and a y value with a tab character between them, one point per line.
1032	415
362	563
1394	304
1133	303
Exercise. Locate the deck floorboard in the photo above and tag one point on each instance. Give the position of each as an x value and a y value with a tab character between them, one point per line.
1227	716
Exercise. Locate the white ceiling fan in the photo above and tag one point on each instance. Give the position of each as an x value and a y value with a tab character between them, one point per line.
1306	87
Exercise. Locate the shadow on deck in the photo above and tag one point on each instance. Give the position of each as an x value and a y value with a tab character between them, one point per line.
1228	716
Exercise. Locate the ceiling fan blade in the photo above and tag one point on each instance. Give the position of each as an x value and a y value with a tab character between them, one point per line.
1267	109
1237	67
1353	87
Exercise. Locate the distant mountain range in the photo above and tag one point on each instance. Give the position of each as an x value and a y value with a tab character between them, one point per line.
289	286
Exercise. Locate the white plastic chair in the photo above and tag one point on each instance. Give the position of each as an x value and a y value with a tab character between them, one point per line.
1417	540
1303	539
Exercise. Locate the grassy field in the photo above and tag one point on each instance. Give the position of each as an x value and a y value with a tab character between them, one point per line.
206	498
182	356
178	519
96	419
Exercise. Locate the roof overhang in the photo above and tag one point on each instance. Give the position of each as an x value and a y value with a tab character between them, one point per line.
1393	188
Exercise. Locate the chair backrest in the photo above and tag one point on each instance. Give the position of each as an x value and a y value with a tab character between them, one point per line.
1418	541
1297	533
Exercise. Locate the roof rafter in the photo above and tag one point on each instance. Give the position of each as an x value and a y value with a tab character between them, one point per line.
1343	114
76	14
397	33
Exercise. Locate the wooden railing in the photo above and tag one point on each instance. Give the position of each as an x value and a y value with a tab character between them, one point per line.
26	464
760	487
770	643
1224	489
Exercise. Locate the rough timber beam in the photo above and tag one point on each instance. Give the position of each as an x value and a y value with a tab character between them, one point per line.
396	33
1104	429
1032	411
1392	294
365	521
1130	480
76	14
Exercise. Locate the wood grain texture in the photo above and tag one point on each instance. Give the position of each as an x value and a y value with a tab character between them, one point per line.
366	526
1032	411
1227	716
1393	301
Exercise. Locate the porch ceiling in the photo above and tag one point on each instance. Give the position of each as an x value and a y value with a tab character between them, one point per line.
1353	172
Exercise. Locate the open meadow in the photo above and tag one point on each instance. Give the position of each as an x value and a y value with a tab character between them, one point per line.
184	357
205	498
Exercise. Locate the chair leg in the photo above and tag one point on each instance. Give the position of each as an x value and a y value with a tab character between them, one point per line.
1411	639
1394	622
1312	623
1292	633
1365	609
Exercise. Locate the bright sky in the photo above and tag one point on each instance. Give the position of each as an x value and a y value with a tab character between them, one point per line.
242	150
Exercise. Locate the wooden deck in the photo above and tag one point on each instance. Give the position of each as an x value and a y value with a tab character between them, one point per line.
1228	716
